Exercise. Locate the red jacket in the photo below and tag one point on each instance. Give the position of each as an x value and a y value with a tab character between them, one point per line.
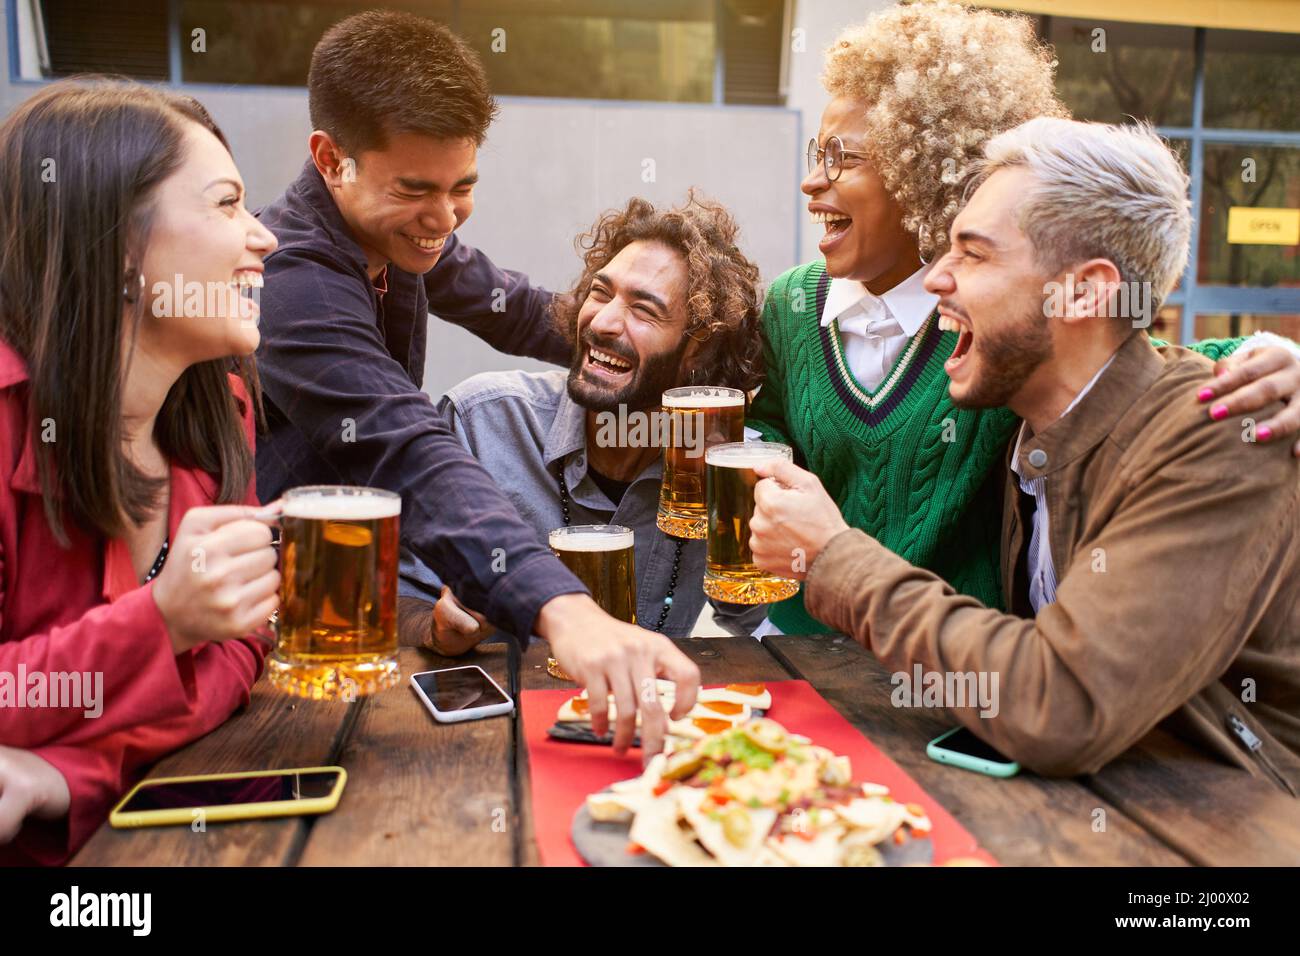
81	610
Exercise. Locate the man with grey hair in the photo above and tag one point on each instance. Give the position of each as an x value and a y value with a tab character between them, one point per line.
1151	558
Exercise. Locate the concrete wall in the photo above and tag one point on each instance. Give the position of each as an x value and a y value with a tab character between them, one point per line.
547	169
549	166
821	21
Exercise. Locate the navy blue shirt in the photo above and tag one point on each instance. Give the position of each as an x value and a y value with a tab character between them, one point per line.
341	369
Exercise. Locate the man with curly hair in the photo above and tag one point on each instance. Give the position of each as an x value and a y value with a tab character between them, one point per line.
854	349
665	299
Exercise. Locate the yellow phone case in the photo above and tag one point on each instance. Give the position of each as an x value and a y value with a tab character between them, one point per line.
241	811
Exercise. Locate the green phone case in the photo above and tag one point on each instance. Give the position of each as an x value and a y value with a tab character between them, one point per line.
935	752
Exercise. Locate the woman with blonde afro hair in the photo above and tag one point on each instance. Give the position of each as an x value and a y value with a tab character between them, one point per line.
853	348
934	82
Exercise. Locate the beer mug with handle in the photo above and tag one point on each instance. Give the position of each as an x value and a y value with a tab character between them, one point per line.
338	593
698	417
730	573
601	556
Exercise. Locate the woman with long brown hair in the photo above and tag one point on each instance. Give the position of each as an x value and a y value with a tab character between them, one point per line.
134	569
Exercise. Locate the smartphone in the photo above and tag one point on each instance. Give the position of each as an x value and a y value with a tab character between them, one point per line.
461	693
167	801
961	748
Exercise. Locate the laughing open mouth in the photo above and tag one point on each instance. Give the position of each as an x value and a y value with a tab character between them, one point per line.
425	244
836	224
607	362
965	338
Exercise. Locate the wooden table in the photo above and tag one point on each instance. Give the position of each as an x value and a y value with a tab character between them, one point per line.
421	793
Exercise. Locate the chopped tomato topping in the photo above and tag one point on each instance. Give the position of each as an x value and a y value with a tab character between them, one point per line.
581	705
920	832
915	809
899	836
635	849
749	690
662	787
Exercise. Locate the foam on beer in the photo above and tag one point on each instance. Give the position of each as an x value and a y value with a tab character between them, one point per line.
323	507
722	400
742	455
590	540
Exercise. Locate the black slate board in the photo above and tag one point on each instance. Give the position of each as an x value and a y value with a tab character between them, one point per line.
580	734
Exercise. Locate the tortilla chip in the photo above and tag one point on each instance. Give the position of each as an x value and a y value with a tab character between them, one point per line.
655	828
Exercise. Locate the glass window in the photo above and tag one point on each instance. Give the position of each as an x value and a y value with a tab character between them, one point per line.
265	44
1232	326
1110	71
1258	176
648	50
1252	80
652	50
84	37
1166	324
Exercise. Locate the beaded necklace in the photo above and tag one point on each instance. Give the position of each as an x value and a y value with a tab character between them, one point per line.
677	555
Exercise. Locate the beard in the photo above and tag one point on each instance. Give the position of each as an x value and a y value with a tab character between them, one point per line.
651	378
1007	357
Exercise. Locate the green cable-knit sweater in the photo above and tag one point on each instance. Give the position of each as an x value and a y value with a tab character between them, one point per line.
905	465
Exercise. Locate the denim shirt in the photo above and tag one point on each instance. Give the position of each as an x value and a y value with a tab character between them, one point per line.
523	427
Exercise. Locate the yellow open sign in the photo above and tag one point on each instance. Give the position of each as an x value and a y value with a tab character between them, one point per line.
1272	227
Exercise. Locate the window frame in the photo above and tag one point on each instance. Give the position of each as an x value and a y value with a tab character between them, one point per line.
1192	297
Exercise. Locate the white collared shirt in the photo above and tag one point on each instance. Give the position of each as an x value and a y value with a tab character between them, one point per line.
874	330
1041	571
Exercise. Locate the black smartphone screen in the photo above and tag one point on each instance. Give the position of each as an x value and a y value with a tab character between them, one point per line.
965	742
459	688
264	788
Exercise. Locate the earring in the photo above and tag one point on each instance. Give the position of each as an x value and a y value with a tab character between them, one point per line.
922	240
133	295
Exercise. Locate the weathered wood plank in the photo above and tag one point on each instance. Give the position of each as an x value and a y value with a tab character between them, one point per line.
1214	814
276	732
1026	820
421	793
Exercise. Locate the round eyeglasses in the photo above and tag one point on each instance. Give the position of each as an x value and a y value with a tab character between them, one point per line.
831	158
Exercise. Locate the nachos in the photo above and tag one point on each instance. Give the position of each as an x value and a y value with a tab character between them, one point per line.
756	795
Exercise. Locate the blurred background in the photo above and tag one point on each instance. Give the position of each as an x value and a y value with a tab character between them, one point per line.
604	99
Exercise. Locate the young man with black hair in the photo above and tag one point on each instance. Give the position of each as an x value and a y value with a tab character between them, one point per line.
399	106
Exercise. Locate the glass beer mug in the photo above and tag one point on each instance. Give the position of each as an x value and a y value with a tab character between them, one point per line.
699	417
729	572
337	623
601	556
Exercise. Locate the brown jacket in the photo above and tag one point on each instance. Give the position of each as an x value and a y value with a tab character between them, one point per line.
1177	547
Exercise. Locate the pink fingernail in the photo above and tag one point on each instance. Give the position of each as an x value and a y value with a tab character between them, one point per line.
1263	433
1219	412
1205	394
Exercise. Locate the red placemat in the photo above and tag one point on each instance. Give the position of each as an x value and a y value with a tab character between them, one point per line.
564	773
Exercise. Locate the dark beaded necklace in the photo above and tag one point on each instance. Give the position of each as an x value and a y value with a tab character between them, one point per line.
159	561
677	555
